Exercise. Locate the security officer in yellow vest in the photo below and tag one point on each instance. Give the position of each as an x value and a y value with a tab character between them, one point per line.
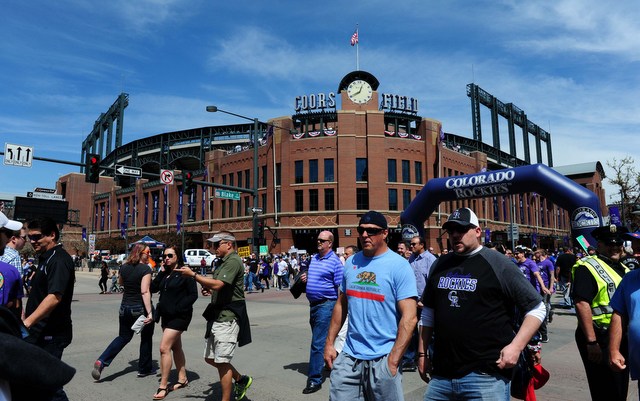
595	279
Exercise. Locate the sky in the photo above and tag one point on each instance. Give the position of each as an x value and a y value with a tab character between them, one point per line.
571	65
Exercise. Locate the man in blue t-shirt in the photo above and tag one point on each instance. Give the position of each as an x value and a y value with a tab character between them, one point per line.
378	286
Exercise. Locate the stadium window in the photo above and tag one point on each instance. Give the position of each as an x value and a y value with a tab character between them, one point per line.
299	201
313	170
329	199
418	175
299	172
313	199
393	199
392	173
406	173
406	198
362	173
362	199
329	175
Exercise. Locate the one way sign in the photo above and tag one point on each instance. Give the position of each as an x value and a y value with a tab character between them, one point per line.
18	155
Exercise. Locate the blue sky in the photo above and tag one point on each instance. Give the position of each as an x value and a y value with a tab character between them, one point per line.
572	66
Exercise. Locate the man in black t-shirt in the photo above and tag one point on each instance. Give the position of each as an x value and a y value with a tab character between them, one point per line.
48	311
564	264
470	301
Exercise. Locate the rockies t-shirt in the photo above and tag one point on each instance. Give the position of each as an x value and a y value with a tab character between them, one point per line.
474	298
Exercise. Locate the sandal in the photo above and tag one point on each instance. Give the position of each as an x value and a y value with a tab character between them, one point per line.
161	390
180	385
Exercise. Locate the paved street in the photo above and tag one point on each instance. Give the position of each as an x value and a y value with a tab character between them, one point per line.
277	358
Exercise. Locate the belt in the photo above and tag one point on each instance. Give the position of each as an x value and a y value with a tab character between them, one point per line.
320	302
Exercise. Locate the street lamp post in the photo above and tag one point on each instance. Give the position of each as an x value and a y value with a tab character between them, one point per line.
254	221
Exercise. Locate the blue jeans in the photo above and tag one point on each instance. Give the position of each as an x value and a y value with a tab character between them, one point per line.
319	319
253	279
55	346
128	315
474	386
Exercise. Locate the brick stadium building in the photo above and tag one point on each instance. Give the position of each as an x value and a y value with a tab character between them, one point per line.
339	155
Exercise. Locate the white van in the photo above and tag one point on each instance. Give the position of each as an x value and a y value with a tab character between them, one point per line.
193	257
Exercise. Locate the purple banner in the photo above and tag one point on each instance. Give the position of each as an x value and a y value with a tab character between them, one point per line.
146	208
487	235
178	223
614	213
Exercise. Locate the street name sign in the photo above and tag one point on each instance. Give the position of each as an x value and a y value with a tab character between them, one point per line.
128	171
225	194
18	155
44	195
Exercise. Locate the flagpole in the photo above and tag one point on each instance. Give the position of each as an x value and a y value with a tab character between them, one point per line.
357	52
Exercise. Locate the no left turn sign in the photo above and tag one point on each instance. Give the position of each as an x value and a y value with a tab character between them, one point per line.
166	176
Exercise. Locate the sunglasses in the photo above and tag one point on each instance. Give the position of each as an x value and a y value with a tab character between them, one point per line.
370	231
414	244
217	244
458	229
147	251
35	237
169	255
322	241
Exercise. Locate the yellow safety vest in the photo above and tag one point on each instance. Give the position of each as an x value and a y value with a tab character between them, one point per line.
607	280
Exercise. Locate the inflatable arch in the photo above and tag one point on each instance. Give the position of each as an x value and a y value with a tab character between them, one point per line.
582	204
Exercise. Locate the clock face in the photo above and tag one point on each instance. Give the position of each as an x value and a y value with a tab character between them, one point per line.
359	91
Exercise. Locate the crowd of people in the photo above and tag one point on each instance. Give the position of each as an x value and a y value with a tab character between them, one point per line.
422	302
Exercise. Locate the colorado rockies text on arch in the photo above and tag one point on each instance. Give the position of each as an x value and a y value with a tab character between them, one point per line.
458	283
476	185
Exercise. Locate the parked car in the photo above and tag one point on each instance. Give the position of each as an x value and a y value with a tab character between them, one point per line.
193	257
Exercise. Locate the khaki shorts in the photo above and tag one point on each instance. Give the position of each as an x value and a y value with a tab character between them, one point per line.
222	343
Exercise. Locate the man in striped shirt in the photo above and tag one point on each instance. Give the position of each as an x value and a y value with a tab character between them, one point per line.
12	250
323	279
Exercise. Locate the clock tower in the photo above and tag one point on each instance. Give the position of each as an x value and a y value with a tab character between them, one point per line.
358	91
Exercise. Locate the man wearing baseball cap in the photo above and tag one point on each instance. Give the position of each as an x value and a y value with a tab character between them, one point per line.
11	292
469	301
595	279
226	315
378	285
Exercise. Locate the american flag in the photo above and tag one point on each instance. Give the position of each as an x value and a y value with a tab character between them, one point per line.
354	38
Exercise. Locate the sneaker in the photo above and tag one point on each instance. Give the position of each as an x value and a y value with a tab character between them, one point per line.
145	374
97	369
241	386
545	338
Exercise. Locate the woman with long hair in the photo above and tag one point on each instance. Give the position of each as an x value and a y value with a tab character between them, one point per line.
104	275
175	308
135	276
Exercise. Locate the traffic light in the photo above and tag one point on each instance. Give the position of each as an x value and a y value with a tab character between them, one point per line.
260	229
188	183
92	168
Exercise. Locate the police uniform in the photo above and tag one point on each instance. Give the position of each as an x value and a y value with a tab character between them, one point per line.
595	279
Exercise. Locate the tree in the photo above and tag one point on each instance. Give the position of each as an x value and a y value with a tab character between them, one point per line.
626	178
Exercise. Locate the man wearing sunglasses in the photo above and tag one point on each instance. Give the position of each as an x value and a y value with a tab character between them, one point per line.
378	291
227	320
48	310
595	278
469	300
323	278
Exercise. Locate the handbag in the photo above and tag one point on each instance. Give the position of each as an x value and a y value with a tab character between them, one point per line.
298	286
155	313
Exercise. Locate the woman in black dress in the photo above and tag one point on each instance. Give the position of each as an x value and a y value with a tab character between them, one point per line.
178	293
104	275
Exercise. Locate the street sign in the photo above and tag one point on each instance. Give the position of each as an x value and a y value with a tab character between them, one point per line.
44	195
18	155
128	171
256	210
45	190
514	232
166	177
92	243
225	194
